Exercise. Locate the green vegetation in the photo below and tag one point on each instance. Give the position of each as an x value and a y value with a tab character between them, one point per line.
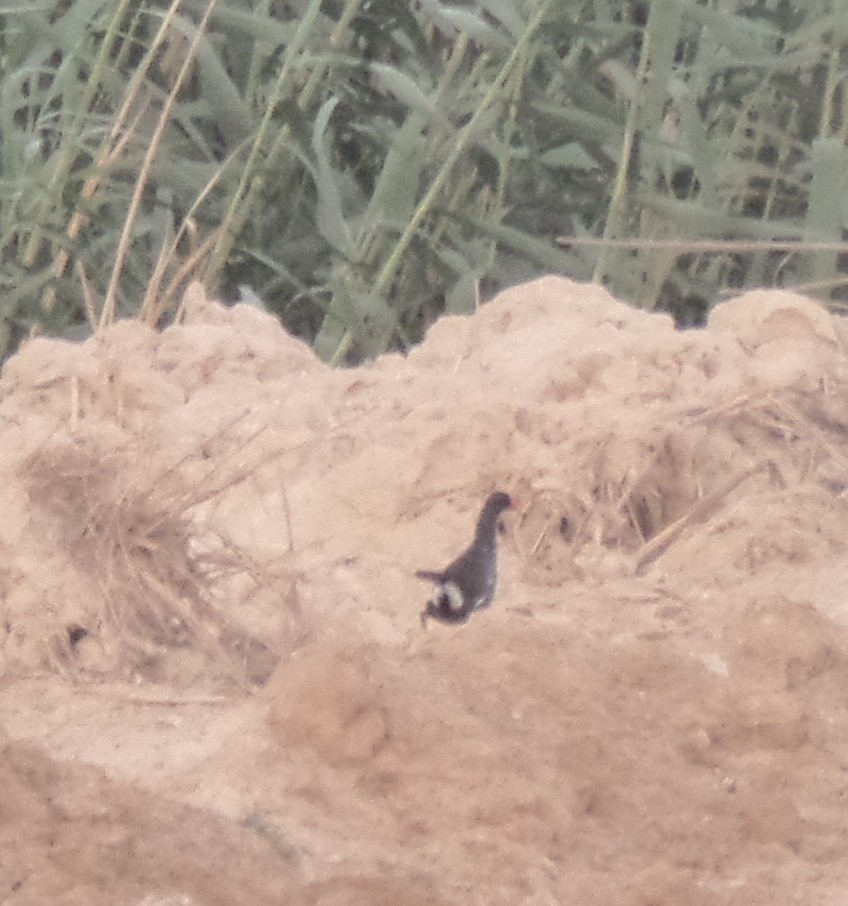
365	165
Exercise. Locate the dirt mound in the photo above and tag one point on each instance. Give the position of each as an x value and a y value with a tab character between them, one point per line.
207	562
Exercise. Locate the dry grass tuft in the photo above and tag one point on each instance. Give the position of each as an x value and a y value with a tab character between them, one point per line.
636	497
156	579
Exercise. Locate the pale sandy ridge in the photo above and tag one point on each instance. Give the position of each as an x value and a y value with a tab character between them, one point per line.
215	688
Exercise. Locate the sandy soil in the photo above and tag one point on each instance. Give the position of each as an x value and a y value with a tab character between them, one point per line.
214	685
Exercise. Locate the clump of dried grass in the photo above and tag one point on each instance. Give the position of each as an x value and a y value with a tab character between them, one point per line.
637	496
129	533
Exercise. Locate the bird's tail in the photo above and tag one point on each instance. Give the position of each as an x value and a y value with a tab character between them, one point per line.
429	575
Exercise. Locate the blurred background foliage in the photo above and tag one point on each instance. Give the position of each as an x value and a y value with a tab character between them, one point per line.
363	166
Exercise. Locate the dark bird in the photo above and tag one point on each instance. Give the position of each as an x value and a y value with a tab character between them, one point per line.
470	581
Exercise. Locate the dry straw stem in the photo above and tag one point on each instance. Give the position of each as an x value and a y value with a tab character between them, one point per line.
250	186
699	513
110	152
108	313
157	300
65	159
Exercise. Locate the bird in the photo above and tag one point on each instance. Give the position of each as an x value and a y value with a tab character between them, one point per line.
469	583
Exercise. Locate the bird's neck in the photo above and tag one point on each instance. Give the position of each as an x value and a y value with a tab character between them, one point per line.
486	527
